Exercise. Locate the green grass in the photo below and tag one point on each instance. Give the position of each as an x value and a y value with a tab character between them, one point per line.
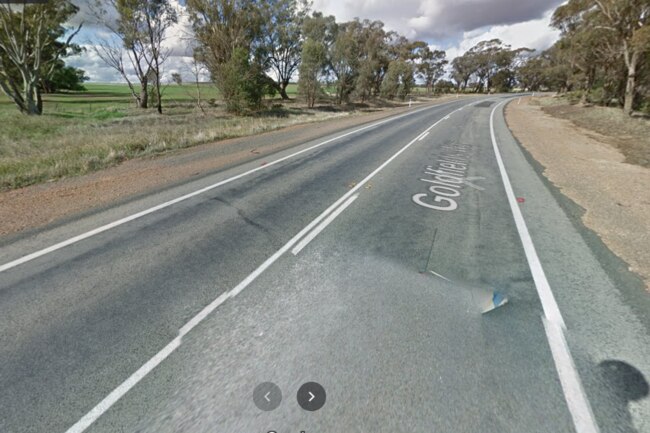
80	132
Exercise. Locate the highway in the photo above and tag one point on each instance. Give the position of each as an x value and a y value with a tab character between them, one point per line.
340	261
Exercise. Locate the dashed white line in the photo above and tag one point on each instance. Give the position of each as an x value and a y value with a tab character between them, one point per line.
577	402
104	405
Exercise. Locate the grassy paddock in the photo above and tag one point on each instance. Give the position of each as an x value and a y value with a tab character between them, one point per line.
81	132
85	131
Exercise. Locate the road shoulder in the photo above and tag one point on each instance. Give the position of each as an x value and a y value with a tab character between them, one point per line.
592	174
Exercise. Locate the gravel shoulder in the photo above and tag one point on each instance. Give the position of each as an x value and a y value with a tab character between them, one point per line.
589	169
37	206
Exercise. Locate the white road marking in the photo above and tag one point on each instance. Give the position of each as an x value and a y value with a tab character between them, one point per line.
98	230
319	228
158	358
574	394
440	276
423	135
124	387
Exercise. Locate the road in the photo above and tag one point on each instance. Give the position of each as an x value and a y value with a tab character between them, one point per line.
339	262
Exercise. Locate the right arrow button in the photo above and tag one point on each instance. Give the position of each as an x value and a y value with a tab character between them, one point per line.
311	396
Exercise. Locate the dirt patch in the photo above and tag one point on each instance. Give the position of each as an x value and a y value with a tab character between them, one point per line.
592	170
630	135
38	205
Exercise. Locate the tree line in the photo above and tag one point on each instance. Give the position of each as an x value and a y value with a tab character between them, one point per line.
253	48
602	56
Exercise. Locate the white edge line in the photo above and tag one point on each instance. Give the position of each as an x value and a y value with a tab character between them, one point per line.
98	230
579	407
95	413
423	136
554	326
310	237
551	309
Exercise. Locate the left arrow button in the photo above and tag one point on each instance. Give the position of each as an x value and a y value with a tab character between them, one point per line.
267	396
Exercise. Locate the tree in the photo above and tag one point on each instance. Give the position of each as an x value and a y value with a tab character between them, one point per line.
64	78
344	60
30	48
462	71
398	81
532	74
281	44
138	33
227	32
627	21
431	67
372	58
491	63
313	62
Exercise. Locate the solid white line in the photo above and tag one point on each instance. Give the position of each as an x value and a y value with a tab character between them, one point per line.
303	243
579	407
136	377
551	309
88	234
423	135
583	417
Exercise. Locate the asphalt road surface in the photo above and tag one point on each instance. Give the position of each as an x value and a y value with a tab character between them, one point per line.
360	261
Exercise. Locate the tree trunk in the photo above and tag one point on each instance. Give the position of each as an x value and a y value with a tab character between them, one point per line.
33	104
283	90
158	95
630	86
143	100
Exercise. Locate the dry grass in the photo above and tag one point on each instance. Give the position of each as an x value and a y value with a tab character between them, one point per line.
38	149
630	135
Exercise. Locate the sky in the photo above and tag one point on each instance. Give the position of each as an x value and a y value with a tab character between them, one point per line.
451	25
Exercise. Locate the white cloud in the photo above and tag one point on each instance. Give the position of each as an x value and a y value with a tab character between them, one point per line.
438	19
536	34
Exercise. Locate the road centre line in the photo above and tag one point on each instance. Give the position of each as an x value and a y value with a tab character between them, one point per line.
117	223
574	394
103	406
303	243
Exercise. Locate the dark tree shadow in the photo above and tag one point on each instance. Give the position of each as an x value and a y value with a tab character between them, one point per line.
624	384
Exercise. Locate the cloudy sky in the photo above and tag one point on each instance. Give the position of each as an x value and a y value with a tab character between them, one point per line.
452	25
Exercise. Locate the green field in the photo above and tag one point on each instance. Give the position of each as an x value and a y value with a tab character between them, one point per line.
80	132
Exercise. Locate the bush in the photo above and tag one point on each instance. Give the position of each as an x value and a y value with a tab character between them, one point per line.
242	84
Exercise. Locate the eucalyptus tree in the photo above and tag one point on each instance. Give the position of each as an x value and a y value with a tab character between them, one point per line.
431	67
138	30
626	22
32	41
280	44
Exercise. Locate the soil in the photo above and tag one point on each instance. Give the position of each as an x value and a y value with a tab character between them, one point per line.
594	167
